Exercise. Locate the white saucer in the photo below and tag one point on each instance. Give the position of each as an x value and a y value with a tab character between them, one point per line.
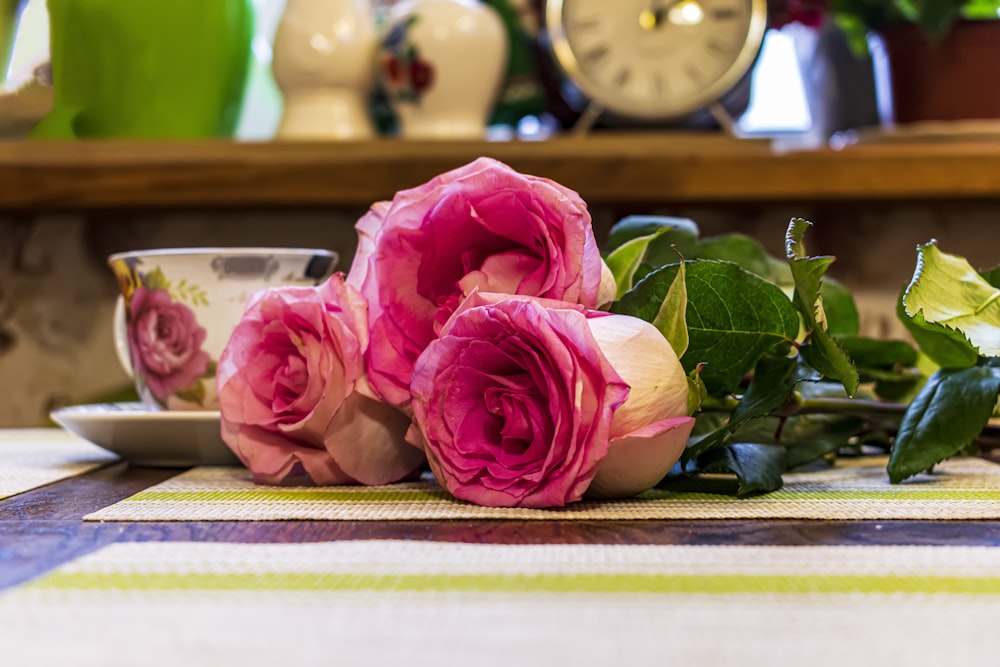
148	437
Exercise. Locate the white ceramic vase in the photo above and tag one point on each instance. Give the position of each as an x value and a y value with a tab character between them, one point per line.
441	64
324	65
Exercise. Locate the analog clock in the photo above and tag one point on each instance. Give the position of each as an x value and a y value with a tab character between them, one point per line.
655	60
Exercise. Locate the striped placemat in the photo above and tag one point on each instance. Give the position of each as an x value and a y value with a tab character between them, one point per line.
855	489
33	457
423	603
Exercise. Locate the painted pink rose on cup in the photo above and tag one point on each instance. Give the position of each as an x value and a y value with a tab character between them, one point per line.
482	226
293	394
165	343
525	402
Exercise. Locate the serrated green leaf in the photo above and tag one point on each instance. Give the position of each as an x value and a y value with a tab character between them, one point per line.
748	253
946	347
757	467
671	320
948	413
774	379
946	290
676	235
822	351
841	310
733	317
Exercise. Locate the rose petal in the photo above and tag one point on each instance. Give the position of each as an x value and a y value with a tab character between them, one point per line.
366	439
639	460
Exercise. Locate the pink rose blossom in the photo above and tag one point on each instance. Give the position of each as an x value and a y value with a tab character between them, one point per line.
293	393
165	342
481	226
519	403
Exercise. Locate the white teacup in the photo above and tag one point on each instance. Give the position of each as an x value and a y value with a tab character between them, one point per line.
179	306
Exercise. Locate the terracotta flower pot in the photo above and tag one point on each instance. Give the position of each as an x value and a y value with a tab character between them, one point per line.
954	79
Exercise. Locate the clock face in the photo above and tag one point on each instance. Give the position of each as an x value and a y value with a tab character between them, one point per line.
655	59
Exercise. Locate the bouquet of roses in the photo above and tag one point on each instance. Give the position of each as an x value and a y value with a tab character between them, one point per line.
481	332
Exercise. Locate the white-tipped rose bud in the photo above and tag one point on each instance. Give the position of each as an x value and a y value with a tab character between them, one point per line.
642	356
650	431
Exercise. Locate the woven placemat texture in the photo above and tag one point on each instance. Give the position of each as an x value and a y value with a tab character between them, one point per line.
34	457
423	603
854	489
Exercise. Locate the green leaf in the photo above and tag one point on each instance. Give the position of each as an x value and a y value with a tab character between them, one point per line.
992	276
945	417
671	320
733	317
773	381
821	351
946	290
154	280
879	352
193	394
841	310
676	235
748	253
625	260
946	347
810	437
697	393
757	467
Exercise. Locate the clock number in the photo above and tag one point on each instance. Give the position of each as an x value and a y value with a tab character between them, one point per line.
595	54
622	77
724	14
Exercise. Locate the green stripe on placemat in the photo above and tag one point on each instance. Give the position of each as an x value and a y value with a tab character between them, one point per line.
276	494
449	604
960	489
432	494
715	584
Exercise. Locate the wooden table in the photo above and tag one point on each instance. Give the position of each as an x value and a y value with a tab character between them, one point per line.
42	529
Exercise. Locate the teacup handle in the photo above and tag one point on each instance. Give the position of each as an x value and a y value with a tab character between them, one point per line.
121	338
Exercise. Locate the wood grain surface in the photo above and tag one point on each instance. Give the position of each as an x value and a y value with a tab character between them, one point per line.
42	529
607	168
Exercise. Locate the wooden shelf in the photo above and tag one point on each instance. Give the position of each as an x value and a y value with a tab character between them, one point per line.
610	168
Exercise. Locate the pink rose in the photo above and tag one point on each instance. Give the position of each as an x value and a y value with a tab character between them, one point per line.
165	342
293	394
526	402
482	226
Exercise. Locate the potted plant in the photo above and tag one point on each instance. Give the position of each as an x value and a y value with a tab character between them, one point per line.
934	60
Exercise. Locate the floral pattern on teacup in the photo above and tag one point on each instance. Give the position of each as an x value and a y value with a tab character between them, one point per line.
165	339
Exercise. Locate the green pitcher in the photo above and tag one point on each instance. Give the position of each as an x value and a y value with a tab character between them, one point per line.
147	69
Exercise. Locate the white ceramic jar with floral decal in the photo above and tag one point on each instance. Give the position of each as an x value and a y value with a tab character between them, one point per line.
323	63
441	64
